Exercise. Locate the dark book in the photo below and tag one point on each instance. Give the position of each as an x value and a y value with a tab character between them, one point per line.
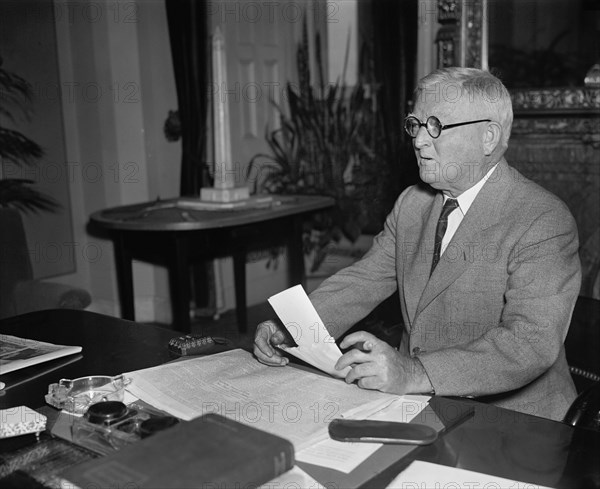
209	451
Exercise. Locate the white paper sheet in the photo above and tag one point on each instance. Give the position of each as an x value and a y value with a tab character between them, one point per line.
289	402
345	457
425	474
315	344
293	479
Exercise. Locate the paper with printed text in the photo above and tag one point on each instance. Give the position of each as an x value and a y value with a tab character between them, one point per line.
286	401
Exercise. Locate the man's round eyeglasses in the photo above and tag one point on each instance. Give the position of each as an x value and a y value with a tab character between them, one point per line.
433	125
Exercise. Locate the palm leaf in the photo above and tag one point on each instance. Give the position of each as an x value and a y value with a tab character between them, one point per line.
17	148
15	92
19	194
325	130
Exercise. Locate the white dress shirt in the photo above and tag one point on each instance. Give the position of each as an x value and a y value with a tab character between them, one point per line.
464	202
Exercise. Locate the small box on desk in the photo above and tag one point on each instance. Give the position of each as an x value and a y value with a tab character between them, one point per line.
20	420
209	451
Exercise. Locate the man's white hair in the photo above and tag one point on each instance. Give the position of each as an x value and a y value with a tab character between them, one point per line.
481	87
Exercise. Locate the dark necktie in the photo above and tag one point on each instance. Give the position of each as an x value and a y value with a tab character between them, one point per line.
442	224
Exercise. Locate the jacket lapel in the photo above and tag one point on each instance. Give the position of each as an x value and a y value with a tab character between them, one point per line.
483	213
419	255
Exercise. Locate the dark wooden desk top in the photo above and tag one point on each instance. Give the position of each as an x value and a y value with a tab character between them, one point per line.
514	446
179	214
493	440
111	346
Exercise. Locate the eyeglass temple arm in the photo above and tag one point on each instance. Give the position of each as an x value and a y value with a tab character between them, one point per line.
448	126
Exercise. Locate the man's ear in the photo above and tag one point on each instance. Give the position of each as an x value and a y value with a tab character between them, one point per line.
491	137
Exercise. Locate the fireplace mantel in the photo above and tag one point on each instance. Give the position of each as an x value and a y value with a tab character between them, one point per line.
555	137
555	141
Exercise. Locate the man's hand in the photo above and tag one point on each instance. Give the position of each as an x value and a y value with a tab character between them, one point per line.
268	335
376	365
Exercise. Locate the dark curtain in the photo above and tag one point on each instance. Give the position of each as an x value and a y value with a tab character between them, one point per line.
189	37
388	29
188	33
390	26
395	54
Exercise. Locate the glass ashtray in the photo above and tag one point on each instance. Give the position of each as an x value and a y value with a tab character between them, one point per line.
74	396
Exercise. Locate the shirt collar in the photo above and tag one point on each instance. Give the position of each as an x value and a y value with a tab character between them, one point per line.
468	196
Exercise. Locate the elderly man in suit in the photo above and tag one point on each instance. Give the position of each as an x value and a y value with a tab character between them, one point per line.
485	263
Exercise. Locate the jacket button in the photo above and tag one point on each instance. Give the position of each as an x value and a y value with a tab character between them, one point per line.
415	351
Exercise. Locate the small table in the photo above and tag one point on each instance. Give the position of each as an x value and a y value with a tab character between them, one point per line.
176	234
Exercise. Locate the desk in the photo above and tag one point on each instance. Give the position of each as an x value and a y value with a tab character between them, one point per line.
162	233
494	440
110	345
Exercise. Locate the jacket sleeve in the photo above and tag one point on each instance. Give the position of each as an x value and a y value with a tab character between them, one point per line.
350	294
544	278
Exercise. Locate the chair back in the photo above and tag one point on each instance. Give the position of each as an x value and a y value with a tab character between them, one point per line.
585	410
582	345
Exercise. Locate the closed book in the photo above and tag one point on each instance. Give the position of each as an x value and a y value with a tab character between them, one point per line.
207	452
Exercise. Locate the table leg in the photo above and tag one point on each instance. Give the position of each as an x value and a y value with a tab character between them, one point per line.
296	270
239	278
179	284
124	276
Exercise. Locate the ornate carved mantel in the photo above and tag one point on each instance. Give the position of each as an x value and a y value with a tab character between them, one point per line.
555	137
556	142
462	37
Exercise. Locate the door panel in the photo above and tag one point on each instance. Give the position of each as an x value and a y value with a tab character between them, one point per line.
260	42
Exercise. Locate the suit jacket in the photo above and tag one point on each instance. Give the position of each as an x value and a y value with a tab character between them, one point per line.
492	319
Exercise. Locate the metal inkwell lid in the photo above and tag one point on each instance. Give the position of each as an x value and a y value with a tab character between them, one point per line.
75	396
105	412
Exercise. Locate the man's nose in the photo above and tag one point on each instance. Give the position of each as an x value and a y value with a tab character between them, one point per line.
422	138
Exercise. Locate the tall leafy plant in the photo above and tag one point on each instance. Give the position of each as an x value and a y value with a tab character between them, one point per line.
328	142
18	149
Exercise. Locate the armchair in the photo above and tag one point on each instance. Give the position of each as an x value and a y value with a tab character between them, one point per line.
581	347
19	291
582	343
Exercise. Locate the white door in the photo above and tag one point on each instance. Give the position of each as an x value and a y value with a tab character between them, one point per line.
260	41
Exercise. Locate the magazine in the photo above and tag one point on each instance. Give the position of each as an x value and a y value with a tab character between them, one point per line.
17	353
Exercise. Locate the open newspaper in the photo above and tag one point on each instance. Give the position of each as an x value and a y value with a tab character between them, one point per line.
17	353
290	402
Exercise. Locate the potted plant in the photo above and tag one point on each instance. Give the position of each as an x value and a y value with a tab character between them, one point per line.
329	142
18	149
